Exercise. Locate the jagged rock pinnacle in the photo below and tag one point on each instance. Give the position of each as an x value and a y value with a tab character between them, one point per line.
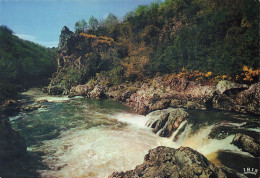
64	36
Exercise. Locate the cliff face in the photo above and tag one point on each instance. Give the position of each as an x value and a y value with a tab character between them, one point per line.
78	59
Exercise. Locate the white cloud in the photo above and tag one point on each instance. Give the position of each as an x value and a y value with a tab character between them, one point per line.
26	37
34	39
49	44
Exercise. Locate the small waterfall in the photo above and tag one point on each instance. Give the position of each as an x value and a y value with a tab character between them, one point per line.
176	132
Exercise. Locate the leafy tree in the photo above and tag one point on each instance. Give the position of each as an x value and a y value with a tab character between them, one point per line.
81	26
206	35
110	21
93	23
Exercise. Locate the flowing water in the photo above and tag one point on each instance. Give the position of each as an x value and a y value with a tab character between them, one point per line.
81	137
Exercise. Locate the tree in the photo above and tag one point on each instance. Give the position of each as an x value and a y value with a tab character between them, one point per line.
81	26
110	21
93	23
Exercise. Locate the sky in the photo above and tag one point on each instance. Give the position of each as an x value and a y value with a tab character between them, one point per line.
41	21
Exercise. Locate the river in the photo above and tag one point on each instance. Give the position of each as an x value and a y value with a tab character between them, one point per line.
80	137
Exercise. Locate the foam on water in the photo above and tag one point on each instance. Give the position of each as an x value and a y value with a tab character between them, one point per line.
37	95
13	118
96	138
97	152
199	141
132	119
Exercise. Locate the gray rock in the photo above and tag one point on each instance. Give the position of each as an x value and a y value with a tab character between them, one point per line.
224	86
29	108
169	122
250	98
247	143
64	36
97	92
223	102
164	162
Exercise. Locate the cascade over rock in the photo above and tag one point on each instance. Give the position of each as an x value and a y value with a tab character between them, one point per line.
167	121
176	163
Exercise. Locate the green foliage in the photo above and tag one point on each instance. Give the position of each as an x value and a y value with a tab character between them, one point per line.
71	78
81	26
93	23
7	90
206	35
24	62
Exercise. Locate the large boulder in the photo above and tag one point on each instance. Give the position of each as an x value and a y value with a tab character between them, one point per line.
250	98
227	87
176	163
12	145
247	143
98	92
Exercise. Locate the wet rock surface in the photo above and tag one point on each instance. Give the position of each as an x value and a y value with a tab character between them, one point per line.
169	162
29	108
169	122
247	143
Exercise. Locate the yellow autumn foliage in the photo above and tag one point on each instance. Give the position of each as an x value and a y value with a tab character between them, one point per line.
100	39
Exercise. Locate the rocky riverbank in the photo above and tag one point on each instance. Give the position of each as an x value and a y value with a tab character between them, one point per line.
13	145
163	91
160	93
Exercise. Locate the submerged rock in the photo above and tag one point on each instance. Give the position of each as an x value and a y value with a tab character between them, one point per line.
169	162
247	143
29	108
12	145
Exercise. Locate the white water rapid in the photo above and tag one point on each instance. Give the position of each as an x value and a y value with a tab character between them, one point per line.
93	138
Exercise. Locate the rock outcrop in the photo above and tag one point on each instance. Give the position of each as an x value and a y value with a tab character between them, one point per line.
77	53
64	38
77	50
169	162
12	145
161	94
188	94
247	143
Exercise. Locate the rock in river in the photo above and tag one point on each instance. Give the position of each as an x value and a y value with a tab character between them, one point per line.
176	163
247	143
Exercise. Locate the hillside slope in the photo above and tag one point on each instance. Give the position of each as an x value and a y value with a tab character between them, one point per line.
174	36
23	62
